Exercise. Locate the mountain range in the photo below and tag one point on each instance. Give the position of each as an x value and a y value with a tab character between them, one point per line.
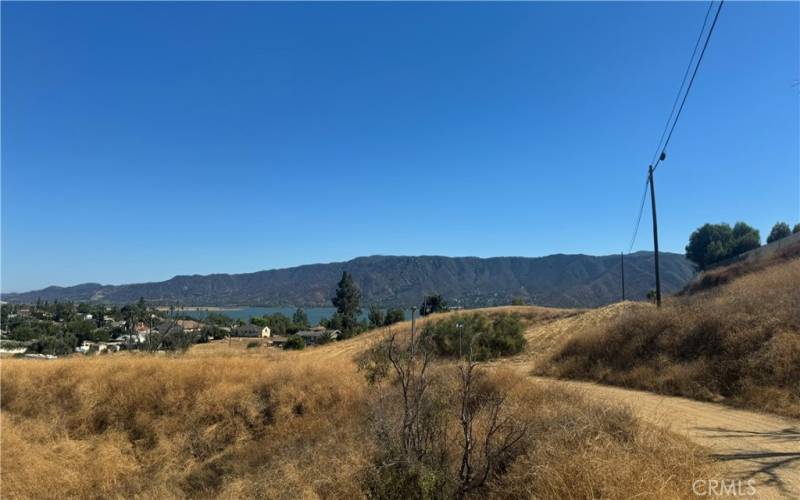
556	280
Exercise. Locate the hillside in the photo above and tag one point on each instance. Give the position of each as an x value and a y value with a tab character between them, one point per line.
556	280
736	342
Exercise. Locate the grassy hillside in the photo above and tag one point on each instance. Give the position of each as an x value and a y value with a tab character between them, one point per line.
735	339
290	426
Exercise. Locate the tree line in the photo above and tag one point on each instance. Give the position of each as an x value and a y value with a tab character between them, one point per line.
714	243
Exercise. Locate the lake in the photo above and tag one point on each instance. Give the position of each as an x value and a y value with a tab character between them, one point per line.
245	313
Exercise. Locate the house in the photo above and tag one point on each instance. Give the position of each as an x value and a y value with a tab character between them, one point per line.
141	329
88	346
250	330
189	325
132	339
318	336
166	327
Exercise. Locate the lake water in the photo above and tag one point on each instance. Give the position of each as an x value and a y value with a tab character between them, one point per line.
245	313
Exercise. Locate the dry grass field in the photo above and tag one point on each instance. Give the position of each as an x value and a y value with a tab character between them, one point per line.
261	423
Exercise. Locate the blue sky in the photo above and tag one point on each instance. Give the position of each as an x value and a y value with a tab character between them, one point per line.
145	140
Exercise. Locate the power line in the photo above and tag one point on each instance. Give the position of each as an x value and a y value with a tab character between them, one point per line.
689	87
661	149
639	217
683	83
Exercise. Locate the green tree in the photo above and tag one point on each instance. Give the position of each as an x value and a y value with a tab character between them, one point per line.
280	324
300	318
141	309
346	301
796	228
432	304
745	238
779	230
393	316
376	317
262	322
709	244
517	301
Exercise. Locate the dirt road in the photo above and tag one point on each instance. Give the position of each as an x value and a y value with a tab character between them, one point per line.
765	448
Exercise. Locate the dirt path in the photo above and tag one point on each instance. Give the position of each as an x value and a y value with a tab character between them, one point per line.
765	448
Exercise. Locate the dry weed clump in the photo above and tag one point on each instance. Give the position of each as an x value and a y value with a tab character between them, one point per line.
739	343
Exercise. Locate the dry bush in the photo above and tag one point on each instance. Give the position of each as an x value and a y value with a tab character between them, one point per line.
739	343
467	430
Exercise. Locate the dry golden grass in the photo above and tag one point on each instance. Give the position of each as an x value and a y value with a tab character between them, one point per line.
738	343
136	426
285	425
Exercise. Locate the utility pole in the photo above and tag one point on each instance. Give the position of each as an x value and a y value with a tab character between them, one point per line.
622	270
413	328
655	232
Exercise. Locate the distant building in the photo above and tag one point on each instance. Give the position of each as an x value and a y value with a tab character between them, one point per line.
141	329
87	347
318	336
278	340
169	327
249	330
189	325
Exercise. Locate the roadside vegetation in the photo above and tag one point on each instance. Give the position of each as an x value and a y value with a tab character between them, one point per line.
738	343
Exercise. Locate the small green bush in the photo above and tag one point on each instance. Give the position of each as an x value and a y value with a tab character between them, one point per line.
252	345
485	336
295	342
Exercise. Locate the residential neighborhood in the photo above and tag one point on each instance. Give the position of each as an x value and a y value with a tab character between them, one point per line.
50	330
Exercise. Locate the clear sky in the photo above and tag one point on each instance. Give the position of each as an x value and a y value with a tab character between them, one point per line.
145	140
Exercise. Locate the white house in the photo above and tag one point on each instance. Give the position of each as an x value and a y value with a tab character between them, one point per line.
249	330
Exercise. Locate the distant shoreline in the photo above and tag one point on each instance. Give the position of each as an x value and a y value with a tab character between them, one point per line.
200	308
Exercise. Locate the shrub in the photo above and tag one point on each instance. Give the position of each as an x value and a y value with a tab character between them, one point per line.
394	316
486	336
252	345
295	342
432	304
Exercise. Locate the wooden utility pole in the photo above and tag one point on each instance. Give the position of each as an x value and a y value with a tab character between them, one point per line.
622	271
655	232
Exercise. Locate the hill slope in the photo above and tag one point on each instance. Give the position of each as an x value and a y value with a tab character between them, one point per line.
556	280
